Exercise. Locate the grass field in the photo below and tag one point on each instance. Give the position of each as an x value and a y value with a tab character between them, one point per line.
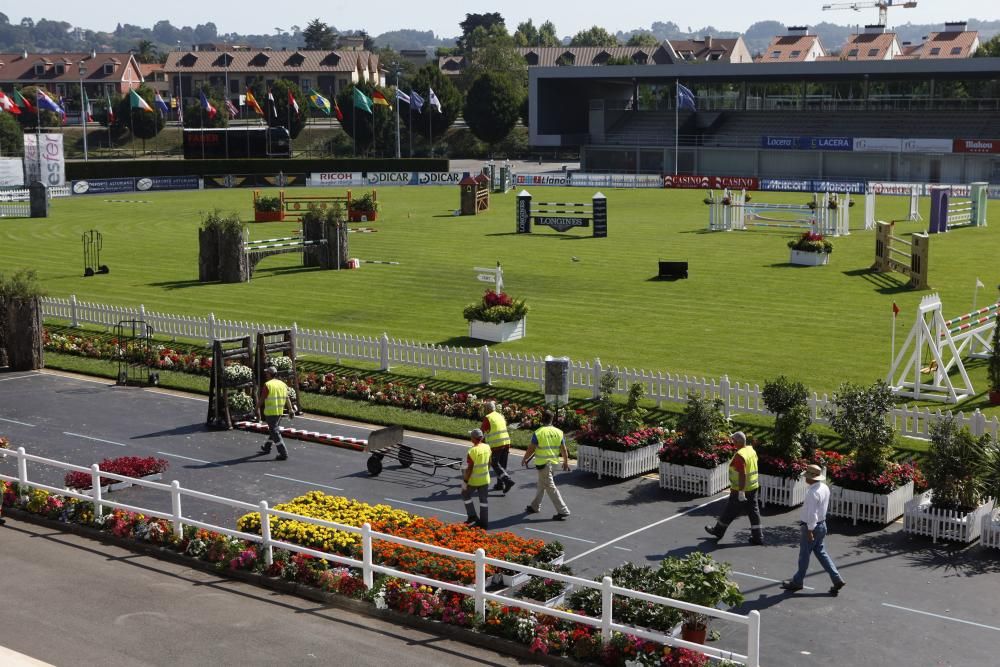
744	311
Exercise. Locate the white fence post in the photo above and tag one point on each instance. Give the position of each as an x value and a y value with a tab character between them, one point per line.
22	468
724	395
74	318
484	361
142	312
753	639
265	533
211	327
175	507
978	423
598	371
366	555
95	487
383	352
607	599
480	594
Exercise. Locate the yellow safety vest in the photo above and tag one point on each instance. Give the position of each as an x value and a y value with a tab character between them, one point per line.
549	443
749	457
277	395
498	435
480	455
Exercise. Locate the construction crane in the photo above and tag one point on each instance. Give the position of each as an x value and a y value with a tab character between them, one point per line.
883	7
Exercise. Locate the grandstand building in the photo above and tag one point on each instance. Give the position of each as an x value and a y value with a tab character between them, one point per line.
904	119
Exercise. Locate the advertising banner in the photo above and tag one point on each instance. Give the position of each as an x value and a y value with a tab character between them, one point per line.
706	182
579	179
785	185
168	183
337	179
541	179
853	187
808	143
279	180
960	146
928	145
780	142
43	157
687	182
898	189
100	186
436	178
11	172
878	145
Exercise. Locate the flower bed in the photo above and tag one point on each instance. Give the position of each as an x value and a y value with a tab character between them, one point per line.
878	498
543	590
129	466
694	479
920	518
551	555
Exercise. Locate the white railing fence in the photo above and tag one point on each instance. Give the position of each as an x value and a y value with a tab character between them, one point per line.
489	365
369	567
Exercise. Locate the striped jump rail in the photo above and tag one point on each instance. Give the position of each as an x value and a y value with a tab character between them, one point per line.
356	444
982	311
289	247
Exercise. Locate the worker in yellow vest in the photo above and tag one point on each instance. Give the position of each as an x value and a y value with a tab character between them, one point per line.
743	489
274	397
476	479
547	444
494	426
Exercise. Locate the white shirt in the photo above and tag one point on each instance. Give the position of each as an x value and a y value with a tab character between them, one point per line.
814	507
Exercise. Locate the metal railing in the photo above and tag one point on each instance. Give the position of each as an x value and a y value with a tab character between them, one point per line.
369	567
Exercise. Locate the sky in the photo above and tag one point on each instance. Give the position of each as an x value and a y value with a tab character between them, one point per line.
261	16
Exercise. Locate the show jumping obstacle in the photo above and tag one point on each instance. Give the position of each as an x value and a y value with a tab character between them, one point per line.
912	216
562	216
828	214
912	264
948	212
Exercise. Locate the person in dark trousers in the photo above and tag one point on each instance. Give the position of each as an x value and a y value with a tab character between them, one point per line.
547	444
274	398
743	489
494	426
476	480
813	533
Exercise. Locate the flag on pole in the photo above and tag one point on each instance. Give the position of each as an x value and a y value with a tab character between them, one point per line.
180	112
62	107
433	100
979	283
207	106
379	98
685	98
401	96
87	109
362	101
135	101
231	108
319	101
274	107
416	101
8	105
22	101
252	103
336	110
111	111
292	103
47	103
895	309
160	104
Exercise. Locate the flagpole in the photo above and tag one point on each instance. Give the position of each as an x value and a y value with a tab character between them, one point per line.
892	358
354	128
201	116
430	129
409	122
677	116
38	135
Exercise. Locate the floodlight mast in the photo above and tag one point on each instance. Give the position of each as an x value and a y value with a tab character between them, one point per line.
883	7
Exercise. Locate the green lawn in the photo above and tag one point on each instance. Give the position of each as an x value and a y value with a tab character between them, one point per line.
744	311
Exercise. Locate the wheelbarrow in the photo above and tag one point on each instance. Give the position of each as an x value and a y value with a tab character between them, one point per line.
387	443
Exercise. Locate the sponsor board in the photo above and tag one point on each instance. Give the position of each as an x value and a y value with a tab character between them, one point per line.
779	142
897	189
337	179
44	160
100	186
281	180
853	187
706	182
436	178
579	179
389	178
784	185
561	224
541	179
808	143
11	172
878	145
928	145
973	146
687	182
168	183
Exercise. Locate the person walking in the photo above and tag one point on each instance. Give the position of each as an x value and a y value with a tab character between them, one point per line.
743	489
274	397
498	438
476	480
813	533
547	444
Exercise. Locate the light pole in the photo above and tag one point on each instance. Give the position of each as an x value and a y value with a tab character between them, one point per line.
83	109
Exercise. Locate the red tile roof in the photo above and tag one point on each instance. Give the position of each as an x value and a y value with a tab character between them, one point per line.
16	68
949	45
789	49
261	60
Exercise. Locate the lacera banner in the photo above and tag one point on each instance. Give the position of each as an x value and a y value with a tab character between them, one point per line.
808	143
43	158
11	172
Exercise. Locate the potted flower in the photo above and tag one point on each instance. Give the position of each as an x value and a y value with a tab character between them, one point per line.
867	486
497	317
993	370
544	590
616	442
241	405
237	375
781	462
699	579
628	611
810	249
696	458
363	209
957	467
267	209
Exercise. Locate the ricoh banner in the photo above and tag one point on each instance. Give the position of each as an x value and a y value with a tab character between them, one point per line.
336	179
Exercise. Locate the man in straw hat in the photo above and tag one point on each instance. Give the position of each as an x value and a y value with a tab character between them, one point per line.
743	489
813	522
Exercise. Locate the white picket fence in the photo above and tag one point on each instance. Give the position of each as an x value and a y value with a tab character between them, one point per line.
606	622
490	365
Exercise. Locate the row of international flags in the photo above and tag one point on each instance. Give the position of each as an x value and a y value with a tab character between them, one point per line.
18	103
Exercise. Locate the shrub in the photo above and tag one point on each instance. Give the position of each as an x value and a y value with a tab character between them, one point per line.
268	204
993	370
703	425
858	415
222	224
787	400
22	284
957	466
365	202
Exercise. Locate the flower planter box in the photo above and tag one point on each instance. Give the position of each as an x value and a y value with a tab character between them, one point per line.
498	333
990	530
551	602
617	464
809	258
520	577
692	479
268	216
920	518
118	486
362	216
880	508
784	491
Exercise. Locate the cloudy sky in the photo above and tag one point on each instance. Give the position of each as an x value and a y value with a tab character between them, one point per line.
262	16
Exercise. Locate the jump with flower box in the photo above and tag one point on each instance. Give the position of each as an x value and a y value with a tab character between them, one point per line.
293	207
562	216
828	214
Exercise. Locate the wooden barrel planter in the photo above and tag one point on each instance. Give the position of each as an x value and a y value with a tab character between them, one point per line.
23	339
208	255
233	267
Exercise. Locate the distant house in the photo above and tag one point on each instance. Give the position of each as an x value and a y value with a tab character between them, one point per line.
577	56
875	43
103	74
798	46
712	49
416	57
156	78
956	41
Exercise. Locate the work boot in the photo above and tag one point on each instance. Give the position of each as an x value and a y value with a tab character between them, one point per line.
508	484
713	532
472	521
265	449
282	453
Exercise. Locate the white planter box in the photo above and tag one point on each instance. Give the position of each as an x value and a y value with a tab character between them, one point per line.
784	491
920	518
691	479
498	333
552	602
520	577
809	258
990	535
872	507
118	486
617	464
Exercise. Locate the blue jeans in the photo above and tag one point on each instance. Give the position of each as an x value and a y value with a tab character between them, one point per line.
816	546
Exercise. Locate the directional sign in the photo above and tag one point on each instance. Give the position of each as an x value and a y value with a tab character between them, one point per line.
487	277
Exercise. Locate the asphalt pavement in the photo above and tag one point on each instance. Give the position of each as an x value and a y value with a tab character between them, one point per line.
907	601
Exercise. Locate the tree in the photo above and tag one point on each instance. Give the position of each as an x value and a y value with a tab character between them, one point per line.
492	106
29	121
642	39
494	52
286	117
319	37
428	77
595	36
142	124
473	21
368	130
196	117
528	35
989	49
11	135
146	52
